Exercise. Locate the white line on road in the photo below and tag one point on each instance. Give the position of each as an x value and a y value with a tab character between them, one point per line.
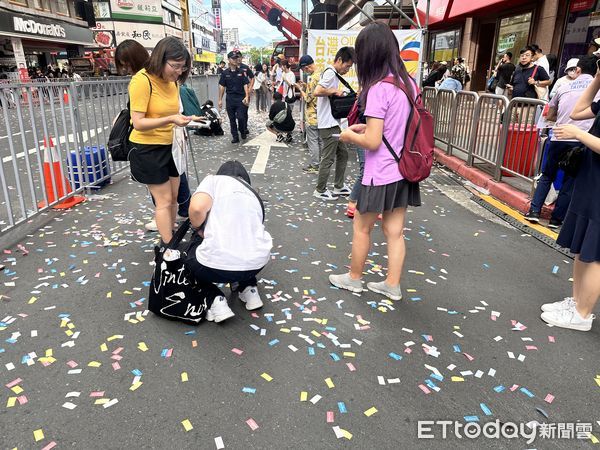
264	142
62	140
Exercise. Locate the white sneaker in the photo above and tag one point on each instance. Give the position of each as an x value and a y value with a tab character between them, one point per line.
394	293
326	195
568	318
345	281
251	298
344	190
151	226
219	311
568	302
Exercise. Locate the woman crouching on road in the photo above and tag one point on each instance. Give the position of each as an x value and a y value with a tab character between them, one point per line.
232	244
154	103
383	190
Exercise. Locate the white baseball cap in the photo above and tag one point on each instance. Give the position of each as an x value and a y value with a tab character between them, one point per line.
572	64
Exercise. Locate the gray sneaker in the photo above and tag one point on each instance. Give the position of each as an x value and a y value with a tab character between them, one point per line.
344	281
394	293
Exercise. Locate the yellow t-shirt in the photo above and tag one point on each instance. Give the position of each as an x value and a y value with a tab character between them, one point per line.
163	102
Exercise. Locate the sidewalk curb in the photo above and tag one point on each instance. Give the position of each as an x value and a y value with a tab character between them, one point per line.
501	191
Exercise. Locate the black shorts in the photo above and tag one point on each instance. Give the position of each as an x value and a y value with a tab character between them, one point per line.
151	163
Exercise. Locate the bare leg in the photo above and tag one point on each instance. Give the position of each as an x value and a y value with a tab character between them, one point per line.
163	197
589	288
578	271
174	181
393	229
361	242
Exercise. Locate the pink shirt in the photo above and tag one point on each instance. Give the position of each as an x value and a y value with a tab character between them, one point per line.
386	101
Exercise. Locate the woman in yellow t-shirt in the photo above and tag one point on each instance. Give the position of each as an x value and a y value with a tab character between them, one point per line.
154	104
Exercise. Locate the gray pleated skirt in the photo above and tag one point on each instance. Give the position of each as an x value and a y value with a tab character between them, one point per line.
377	199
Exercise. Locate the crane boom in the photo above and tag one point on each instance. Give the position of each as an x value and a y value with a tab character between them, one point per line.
289	26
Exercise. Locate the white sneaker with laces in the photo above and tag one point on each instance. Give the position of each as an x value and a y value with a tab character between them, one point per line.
568	302
325	195
345	281
568	318
151	226
219	311
251	298
344	190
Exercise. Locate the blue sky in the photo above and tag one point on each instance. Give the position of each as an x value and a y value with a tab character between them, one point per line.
238	15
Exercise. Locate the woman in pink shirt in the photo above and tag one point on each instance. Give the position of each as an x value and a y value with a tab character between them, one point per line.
383	190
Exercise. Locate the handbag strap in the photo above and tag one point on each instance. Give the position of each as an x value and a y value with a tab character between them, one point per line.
262	205
344	82
179	235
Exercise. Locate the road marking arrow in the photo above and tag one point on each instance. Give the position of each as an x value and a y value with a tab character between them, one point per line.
264	142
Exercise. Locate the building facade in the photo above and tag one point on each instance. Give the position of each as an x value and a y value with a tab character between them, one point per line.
231	38
204	33
41	33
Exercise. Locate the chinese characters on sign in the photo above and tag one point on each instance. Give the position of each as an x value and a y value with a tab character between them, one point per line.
147	34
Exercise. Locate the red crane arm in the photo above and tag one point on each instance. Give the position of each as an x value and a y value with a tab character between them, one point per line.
278	17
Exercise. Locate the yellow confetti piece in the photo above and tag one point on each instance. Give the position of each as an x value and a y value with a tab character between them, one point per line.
104	347
38	435
369	412
49	352
70	325
69	333
303	396
101	401
349	354
329	383
94	364
12	401
457	379
109	295
331	246
135	385
64	322
306	278
382	309
593	438
187	425
315	333
266	376
62	274
324	321
127	292
284	330
363	322
411	291
115	336
32	300
184	377
346	434
17	389
142	346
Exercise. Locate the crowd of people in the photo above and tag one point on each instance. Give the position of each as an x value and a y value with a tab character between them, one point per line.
227	214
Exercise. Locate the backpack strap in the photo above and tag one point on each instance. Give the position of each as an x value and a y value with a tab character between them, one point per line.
262	205
129	99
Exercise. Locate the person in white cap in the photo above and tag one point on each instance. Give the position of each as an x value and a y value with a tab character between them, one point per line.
571	74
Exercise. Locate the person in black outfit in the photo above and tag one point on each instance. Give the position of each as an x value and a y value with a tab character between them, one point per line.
504	73
248	72
527	75
439	69
234	81
580	232
287	125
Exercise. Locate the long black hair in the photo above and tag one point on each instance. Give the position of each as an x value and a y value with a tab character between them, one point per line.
378	55
234	169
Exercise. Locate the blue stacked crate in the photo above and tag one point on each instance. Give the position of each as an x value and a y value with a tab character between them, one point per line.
98	168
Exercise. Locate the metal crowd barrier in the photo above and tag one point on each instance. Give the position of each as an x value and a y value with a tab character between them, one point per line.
53	141
499	136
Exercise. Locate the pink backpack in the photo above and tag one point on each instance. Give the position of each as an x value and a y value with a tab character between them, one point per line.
417	156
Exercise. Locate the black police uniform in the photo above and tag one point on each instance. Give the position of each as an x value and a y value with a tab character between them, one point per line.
234	82
248	72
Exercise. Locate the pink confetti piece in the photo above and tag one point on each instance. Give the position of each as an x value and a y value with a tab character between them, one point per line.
351	367
49	446
237	351
116	357
97	394
493	317
330	417
549	398
514	387
72	364
530	347
116	365
469	357
424	389
169	353
117	351
408	350
255	315
551	339
252	424
22	399
14	383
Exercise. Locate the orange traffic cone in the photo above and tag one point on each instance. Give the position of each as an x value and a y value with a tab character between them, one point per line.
66	96
52	168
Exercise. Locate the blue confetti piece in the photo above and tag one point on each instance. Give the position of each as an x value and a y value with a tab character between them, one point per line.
486	266
452	313
137	372
269	318
11	340
274	342
431	384
146	283
190	332
164	352
249	390
311	351
471	419
334	357
395	356
485	409
320	345
555	270
312	291
499	388
456	348
416	299
437	377
527	392
330	328
25	358
342	407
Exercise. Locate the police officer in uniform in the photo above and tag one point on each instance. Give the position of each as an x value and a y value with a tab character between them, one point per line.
237	85
250	74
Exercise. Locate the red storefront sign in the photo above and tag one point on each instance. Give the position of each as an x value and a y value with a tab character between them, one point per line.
438	10
581	5
464	7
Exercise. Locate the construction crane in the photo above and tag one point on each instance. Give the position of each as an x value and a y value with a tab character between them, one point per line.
286	23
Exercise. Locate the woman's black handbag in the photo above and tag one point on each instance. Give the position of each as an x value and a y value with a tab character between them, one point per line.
571	161
174	292
341	105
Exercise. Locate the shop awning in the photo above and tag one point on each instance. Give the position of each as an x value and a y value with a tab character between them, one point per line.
460	8
438	10
206	57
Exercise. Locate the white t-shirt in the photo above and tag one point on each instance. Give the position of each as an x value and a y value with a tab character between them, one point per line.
289	80
259	79
324	118
543	62
234	237
278	74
